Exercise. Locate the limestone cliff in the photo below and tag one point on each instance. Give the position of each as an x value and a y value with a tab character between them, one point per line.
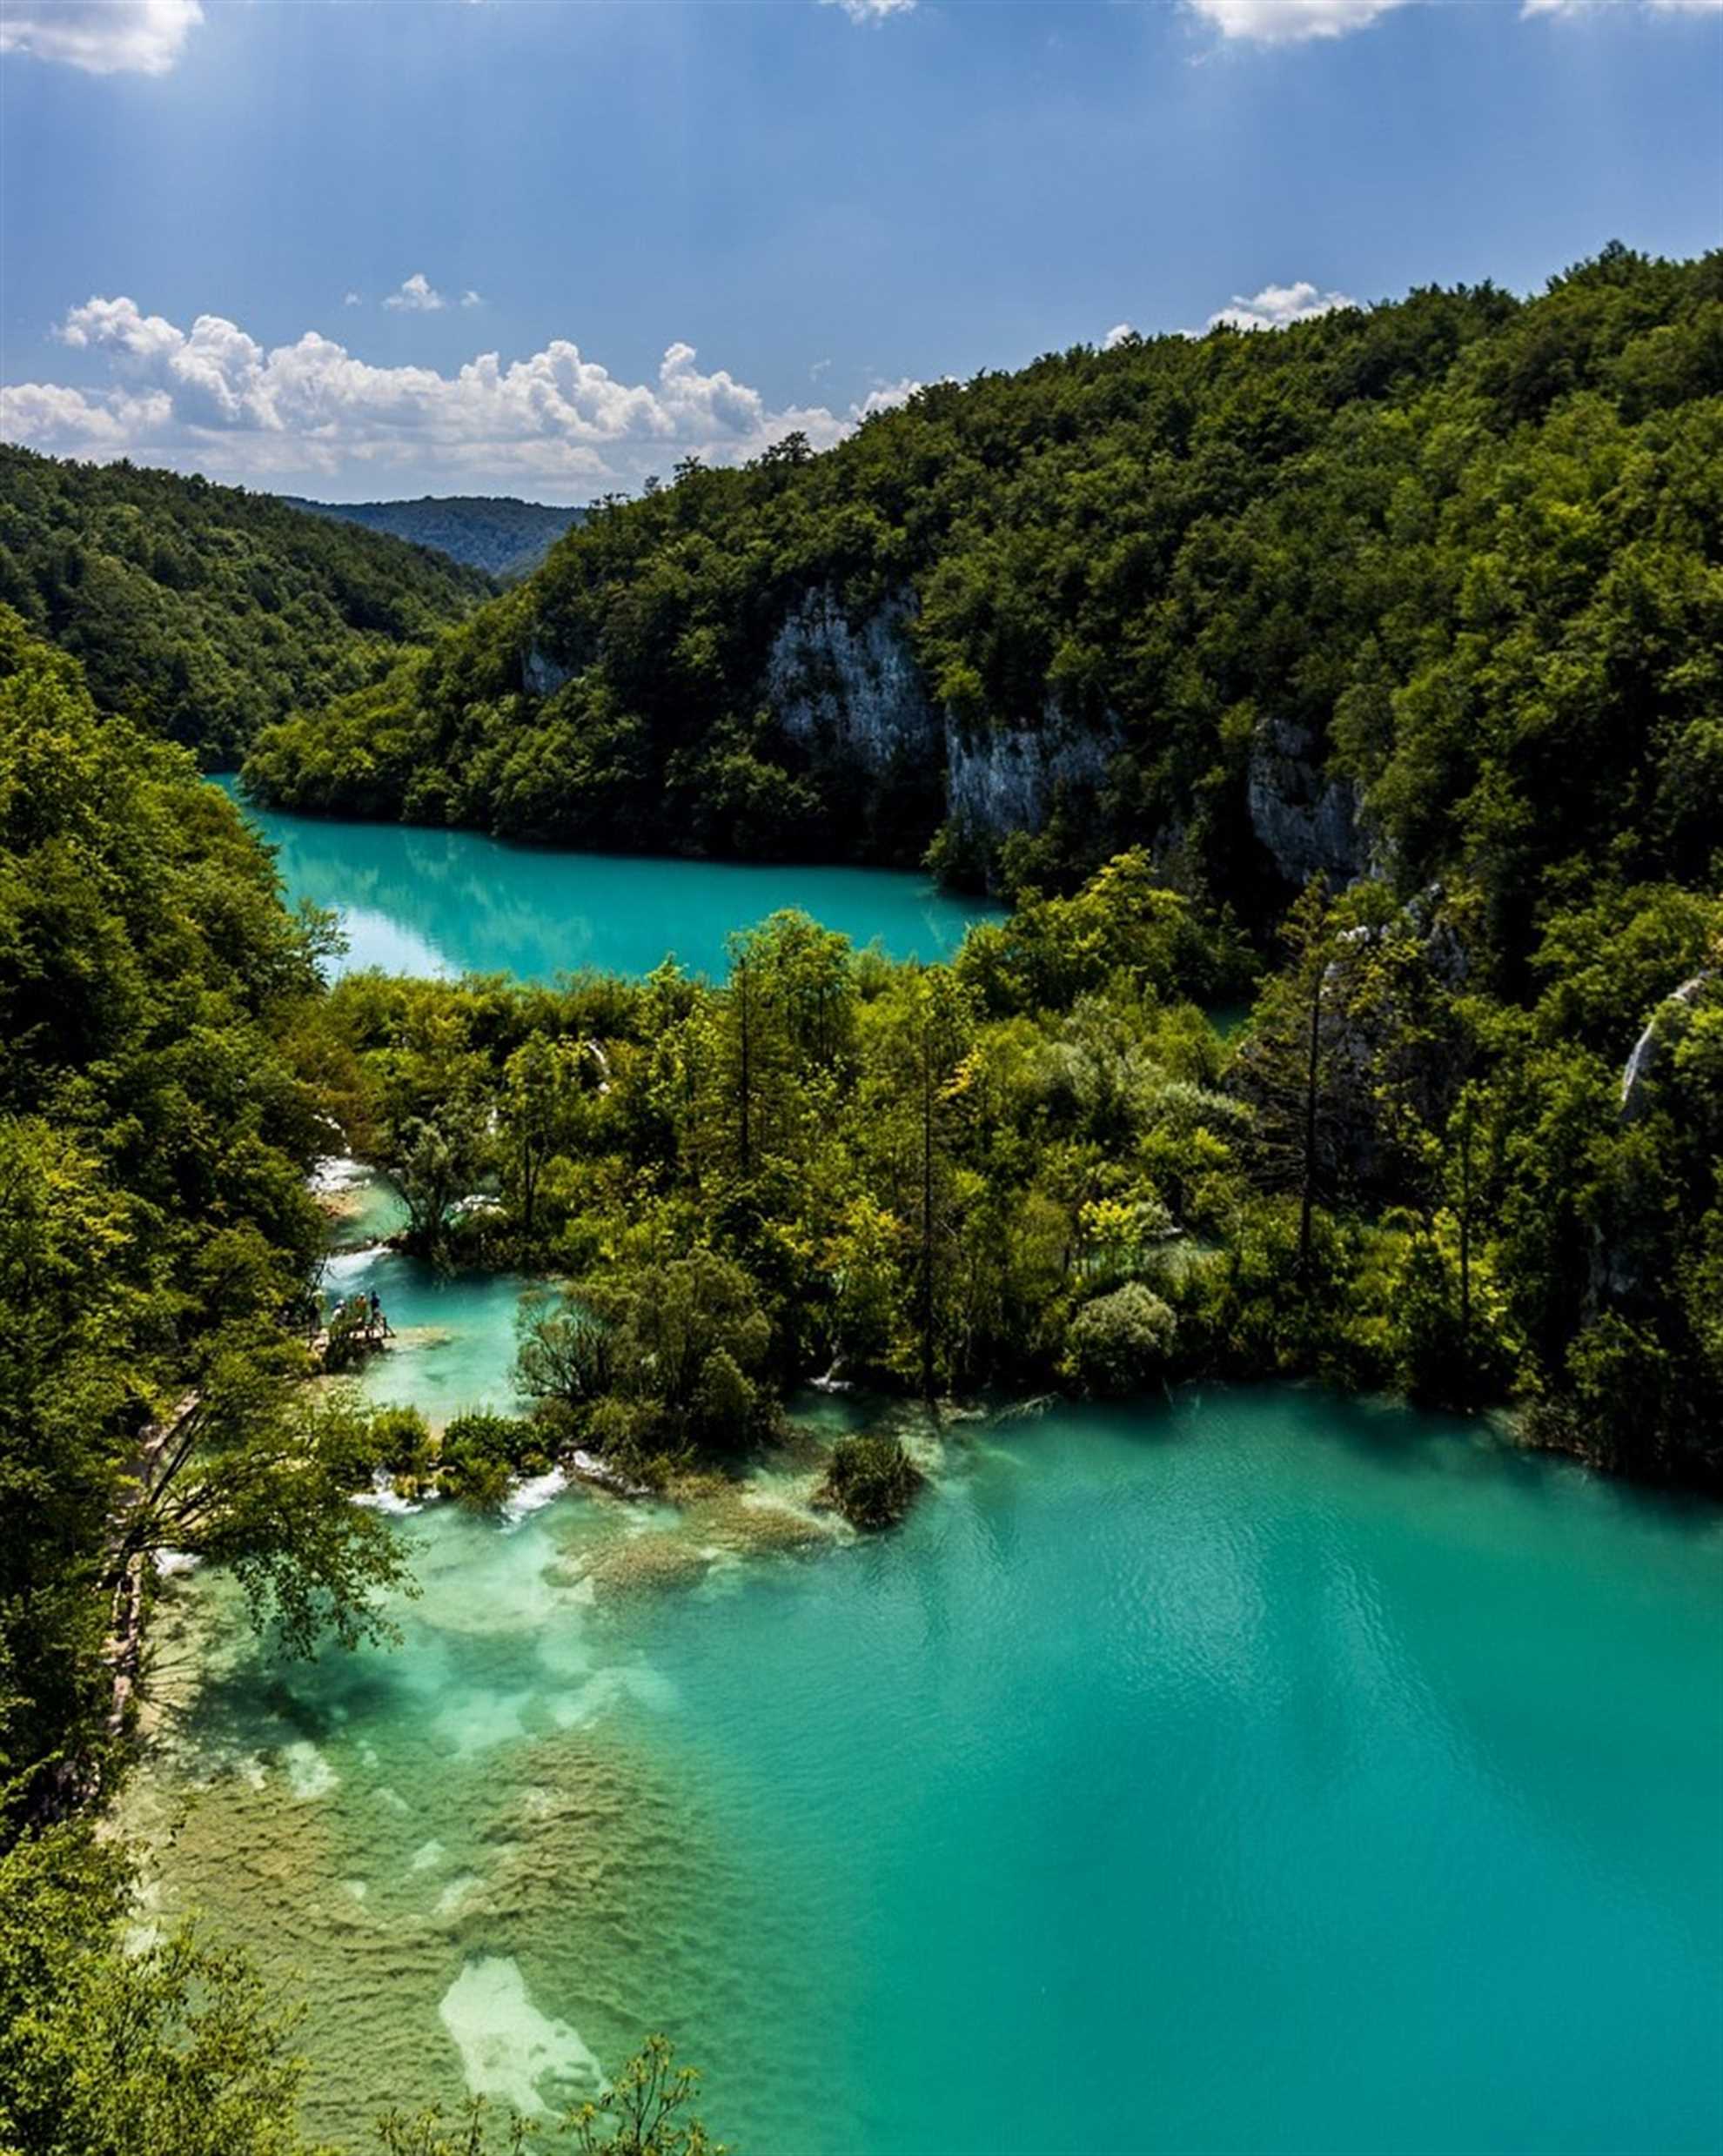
851	694
1308	822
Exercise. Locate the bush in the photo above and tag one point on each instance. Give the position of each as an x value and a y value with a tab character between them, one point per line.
1120	1342
402	1437
872	1480
480	1452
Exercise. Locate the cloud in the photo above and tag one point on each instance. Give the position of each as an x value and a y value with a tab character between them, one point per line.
1277	305
1591	7
416	295
1290	21
213	399
870	10
887	397
470	298
351	300
1121	334
819	368
101	36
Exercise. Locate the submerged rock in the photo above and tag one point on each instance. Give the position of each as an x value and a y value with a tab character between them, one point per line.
507	2047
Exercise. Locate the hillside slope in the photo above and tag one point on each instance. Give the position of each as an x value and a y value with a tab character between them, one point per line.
494	532
207	611
1436	582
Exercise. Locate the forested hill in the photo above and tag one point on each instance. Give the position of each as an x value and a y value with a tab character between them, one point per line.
207	611
1434	583
504	537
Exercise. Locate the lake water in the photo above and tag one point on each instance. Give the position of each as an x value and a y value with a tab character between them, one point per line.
1259	1770
421	902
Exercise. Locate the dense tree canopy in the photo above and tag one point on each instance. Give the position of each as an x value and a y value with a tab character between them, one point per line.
156	1233
1467	547
204	611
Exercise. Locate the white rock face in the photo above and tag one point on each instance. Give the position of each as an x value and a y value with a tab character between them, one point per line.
1309	822
539	672
1643	1062
850	693
1005	778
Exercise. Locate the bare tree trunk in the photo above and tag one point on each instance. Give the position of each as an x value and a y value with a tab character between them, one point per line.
1308	1195
742	989
929	1387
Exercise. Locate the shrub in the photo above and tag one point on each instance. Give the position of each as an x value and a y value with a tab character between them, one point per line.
872	1480
402	1437
1120	1342
480	1452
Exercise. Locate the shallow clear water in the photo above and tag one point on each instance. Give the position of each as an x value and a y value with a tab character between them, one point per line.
1262	1771
454	1333
421	901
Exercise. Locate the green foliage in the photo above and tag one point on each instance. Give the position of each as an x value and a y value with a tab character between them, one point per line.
154	1231
203	611
157	1248
478	1453
872	1480
1463	545
1120	1343
170	2050
643	2113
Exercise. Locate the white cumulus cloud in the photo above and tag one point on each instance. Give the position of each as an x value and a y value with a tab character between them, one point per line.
470	298
887	397
1290	22
1121	334
1591	7
870	10
417	295
102	36
213	399
1276	305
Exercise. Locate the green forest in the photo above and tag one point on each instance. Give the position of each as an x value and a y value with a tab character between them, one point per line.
504	538
1400	634
203	612
157	1116
1454	559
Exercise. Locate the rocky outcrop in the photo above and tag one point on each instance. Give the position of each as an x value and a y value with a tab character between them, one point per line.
851	692
1309	822
1005	778
541	674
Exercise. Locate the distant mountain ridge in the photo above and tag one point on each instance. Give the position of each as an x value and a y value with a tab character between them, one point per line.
495	532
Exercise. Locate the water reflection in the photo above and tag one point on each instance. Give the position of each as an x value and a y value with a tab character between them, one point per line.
433	902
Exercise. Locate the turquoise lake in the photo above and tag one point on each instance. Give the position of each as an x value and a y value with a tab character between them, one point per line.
1253	1770
1262	1771
421	901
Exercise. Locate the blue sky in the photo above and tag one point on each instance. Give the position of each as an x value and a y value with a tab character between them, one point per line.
803	205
